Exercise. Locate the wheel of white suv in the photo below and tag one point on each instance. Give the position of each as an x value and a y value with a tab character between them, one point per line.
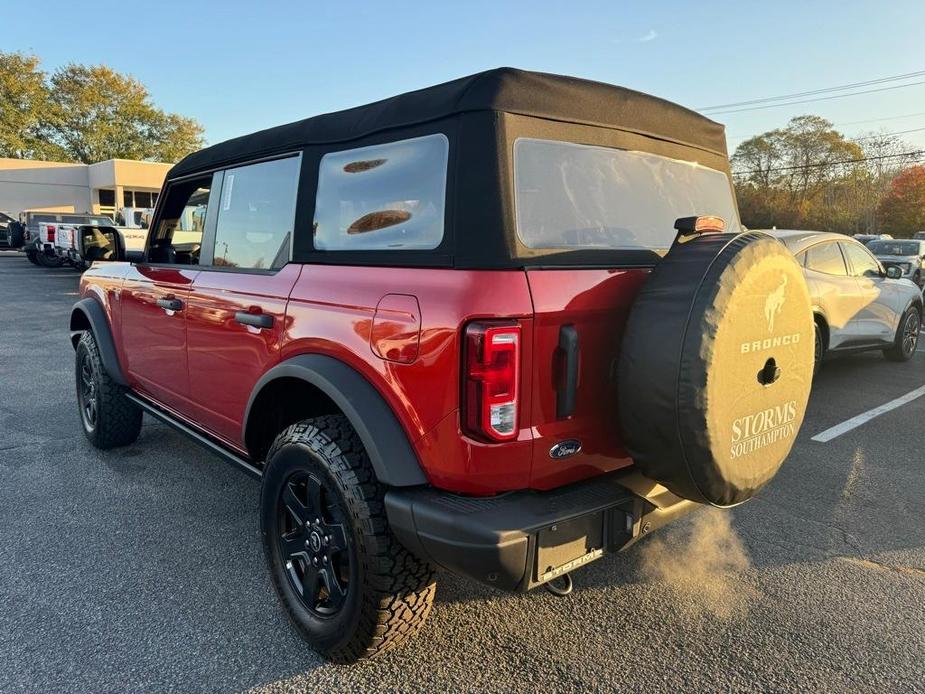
31	255
350	588
907	336
109	419
818	349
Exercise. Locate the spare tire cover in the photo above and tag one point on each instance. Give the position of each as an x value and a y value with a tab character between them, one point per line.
716	366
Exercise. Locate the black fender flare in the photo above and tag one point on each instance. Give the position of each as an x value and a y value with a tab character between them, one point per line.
386	443
95	317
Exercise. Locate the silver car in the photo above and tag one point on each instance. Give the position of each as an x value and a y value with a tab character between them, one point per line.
858	305
906	254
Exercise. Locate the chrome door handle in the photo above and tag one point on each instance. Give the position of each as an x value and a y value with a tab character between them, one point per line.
170	304
257	320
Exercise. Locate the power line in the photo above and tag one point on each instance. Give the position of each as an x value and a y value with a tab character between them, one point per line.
876	135
873	136
915	155
854	122
821	98
797	95
877	120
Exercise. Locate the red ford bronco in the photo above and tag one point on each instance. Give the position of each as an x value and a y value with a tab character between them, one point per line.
501	326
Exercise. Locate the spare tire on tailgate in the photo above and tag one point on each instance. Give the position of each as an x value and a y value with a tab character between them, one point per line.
716	366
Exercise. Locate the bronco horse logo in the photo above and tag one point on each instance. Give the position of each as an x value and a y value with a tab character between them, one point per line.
774	303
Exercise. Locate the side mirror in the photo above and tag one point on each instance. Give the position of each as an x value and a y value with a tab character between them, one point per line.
893	272
135	256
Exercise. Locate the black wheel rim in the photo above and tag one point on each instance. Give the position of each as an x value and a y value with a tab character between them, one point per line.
910	333
312	544
87	393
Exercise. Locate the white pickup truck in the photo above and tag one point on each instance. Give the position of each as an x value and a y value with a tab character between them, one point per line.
82	244
40	241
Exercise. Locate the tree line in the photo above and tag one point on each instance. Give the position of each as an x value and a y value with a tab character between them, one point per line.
807	175
85	113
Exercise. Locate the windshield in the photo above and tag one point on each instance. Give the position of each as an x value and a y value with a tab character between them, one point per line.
894	247
578	196
4	218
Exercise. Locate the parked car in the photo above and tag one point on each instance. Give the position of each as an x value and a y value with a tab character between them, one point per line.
134	217
919	235
906	254
41	229
867	238
857	303
5	220
6	238
410	320
82	245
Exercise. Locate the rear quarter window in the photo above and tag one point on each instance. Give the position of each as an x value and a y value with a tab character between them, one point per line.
826	258
570	196
383	197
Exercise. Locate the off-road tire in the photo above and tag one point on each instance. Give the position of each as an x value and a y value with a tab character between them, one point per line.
31	257
118	419
390	592
46	260
901	351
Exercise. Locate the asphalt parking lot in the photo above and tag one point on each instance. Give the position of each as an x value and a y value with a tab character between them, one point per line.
141	570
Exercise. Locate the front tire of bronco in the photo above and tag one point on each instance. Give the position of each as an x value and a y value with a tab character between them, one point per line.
109	419
351	589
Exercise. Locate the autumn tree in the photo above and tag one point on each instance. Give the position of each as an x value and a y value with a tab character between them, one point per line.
86	113
807	175
23	101
902	209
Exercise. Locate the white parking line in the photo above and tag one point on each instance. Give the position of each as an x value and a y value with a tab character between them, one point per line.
865	417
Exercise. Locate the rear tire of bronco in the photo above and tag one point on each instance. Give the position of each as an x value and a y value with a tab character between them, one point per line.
31	256
109	419
351	589
907	336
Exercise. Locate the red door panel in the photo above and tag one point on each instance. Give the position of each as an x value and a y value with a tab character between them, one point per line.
227	356
153	335
592	305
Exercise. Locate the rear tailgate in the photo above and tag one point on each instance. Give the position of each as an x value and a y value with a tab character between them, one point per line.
64	237
579	317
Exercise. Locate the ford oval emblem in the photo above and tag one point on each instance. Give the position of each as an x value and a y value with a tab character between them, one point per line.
565	449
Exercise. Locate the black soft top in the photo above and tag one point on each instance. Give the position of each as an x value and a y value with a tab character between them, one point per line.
507	90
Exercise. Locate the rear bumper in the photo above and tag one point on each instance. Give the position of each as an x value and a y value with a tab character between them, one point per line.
520	540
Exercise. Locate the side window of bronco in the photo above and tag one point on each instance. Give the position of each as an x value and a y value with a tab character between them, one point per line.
383	197
256	215
178	236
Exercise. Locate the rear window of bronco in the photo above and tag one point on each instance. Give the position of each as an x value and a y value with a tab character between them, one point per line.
383	197
571	196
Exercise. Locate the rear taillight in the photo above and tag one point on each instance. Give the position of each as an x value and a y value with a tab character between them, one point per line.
492	379
51	234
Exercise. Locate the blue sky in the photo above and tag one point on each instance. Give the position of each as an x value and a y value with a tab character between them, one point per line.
240	66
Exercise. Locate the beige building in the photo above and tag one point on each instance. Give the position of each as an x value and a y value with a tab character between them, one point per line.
99	188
